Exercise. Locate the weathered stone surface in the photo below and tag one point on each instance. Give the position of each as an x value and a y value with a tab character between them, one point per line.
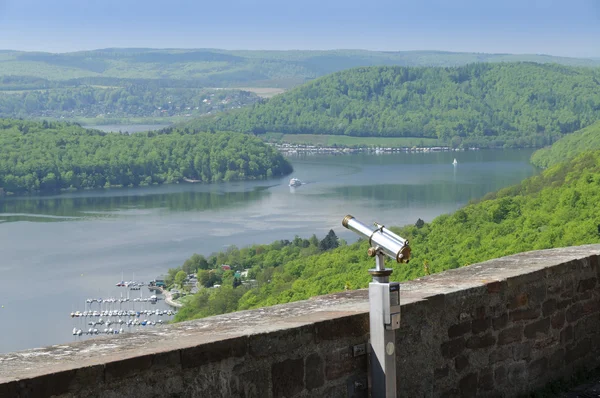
213	352
486	380
501	354
517	372
579	351
314	372
440	373
287	377
458	330
500	322
537	368
586	284
575	312
500	375
461	362
350	326
510	335
340	363
558	320
522	350
480	325
481	341
452	348
468	385
549	307
537	328
521	315
520	300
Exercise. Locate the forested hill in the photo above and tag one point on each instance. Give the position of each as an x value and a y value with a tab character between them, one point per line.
50	156
221	68
555	209
568	147
480	104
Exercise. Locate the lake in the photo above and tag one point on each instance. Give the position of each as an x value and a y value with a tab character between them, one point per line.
58	250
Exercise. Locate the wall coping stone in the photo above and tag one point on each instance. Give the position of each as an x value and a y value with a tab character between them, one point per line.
102	350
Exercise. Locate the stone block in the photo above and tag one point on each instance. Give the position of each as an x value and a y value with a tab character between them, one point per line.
557	359
280	342
522	351
586	284
537	328
287	377
127	367
537	368
525	314
500	322
496	287
566	335
314	372
350	326
468	385
250	384
440	373
461	362
340	363
452	348
517	373
500	375
9	390
562	304
501	354
591	306
548	307
574	312
520	300
486	380
510	335
213	352
578	351
481	341
480	325
558	320
459	329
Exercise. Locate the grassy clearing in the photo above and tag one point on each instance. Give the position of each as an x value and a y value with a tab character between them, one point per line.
263	92
343	140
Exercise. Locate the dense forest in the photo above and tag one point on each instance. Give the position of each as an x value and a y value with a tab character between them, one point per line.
221	68
511	105
568	147
134	100
50	156
554	209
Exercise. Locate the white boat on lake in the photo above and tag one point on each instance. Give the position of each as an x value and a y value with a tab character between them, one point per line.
455	162
294	182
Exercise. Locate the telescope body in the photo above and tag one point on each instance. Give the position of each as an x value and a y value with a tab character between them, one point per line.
381	239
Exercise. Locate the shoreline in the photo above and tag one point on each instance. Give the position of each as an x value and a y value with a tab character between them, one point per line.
168	297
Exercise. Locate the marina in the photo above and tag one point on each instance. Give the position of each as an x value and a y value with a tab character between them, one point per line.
120	315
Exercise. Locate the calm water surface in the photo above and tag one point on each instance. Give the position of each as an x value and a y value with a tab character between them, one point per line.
56	251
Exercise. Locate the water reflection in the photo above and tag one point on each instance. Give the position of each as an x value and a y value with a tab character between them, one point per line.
109	205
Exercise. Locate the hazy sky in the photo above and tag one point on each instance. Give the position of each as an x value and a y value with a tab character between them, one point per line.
557	27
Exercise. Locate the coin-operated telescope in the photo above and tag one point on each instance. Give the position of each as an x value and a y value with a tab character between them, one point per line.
384	303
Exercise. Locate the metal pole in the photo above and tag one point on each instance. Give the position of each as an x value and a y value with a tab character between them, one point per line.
384	319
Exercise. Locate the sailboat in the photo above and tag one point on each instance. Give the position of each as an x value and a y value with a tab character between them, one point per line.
455	162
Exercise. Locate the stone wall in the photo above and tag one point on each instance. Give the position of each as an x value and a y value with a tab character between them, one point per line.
500	328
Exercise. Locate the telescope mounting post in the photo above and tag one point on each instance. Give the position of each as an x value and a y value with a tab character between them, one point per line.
384	304
384	319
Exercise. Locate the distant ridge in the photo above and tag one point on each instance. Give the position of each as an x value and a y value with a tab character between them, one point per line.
236	68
